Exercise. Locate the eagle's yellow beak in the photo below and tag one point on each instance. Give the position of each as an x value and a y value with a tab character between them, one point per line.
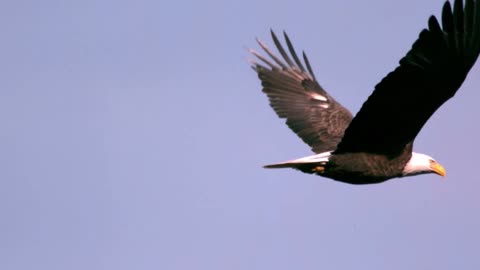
438	169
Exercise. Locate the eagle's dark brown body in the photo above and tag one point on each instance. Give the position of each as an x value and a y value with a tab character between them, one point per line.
367	168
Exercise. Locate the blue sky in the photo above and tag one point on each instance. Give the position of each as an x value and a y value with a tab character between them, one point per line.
133	135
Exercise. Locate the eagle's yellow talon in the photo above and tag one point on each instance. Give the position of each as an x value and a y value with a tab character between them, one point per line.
318	169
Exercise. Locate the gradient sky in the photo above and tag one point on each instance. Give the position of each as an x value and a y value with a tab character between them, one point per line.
133	135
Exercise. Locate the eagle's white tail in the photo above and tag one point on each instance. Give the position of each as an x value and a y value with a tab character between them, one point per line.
321	158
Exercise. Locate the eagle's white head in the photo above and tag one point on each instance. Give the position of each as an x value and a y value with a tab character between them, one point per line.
421	164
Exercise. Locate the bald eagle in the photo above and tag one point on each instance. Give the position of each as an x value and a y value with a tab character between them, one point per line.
375	145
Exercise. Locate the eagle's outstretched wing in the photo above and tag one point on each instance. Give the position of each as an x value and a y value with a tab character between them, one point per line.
430	74
295	94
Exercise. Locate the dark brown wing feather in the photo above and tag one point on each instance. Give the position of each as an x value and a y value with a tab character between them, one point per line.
294	94
430	74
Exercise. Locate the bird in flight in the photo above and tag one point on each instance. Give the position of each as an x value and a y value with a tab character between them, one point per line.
375	145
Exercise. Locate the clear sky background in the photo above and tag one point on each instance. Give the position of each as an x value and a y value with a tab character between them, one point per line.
133	135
